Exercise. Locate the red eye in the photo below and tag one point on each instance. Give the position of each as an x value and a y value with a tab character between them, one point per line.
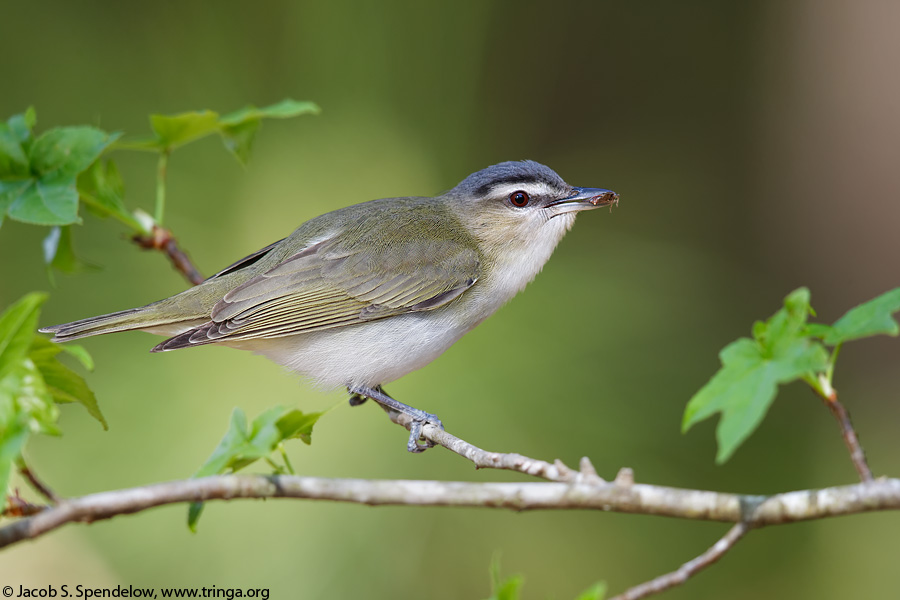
519	199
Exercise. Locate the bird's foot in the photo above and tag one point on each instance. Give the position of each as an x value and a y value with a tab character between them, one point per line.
418	418
415	430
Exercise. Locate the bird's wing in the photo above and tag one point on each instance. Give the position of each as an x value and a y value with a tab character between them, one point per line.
334	284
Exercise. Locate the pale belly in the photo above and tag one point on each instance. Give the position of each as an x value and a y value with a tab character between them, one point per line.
367	354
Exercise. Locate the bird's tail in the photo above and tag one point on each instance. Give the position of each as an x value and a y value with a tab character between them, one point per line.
143	318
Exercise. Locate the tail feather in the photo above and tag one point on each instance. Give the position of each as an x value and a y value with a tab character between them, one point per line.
144	318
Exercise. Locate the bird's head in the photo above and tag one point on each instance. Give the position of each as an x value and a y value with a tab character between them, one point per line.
519	205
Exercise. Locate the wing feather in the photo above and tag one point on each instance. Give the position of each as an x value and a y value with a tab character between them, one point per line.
333	283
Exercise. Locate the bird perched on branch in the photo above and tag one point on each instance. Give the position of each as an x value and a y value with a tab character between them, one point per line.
361	296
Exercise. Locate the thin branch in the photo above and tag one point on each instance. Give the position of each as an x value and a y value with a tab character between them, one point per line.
688	569
756	511
39	486
161	239
483	459
857	455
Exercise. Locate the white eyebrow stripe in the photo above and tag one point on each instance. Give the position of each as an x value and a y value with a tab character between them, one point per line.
532	188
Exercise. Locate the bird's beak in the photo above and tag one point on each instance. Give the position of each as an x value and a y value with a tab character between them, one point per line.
584	199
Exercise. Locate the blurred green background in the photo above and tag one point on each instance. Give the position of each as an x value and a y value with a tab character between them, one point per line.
755	149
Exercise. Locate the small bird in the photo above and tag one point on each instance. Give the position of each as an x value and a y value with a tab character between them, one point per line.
363	295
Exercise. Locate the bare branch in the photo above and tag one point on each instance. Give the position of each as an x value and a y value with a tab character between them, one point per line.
881	494
850	439
162	240
688	569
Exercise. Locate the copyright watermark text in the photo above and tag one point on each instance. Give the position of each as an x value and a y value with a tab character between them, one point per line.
130	591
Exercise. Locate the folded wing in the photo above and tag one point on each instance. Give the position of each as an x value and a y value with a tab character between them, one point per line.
334	283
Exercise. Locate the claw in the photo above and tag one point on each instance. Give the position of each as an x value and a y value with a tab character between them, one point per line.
415	434
358	395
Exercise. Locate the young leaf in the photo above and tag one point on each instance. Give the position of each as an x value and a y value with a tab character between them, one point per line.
22	124
15	136
102	192
26	400
79	353
285	109
509	589
297	424
13	160
176	130
874	317
63	384
230	451
46	202
37	178
239	128
238	139
244	444
819	330
25	407
10	192
64	152
195	509
12	440
744	388
17	326
506	589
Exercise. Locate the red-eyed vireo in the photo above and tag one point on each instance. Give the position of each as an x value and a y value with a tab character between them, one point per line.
364	295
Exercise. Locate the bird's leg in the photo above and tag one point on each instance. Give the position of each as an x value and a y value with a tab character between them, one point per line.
419	417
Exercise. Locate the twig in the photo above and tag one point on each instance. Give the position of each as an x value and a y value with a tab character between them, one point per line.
161	239
857	455
39	486
483	459
822	386
688	569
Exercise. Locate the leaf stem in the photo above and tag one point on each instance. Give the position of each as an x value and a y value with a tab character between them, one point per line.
816	383
287	461
829	373
279	470
161	166
93	202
